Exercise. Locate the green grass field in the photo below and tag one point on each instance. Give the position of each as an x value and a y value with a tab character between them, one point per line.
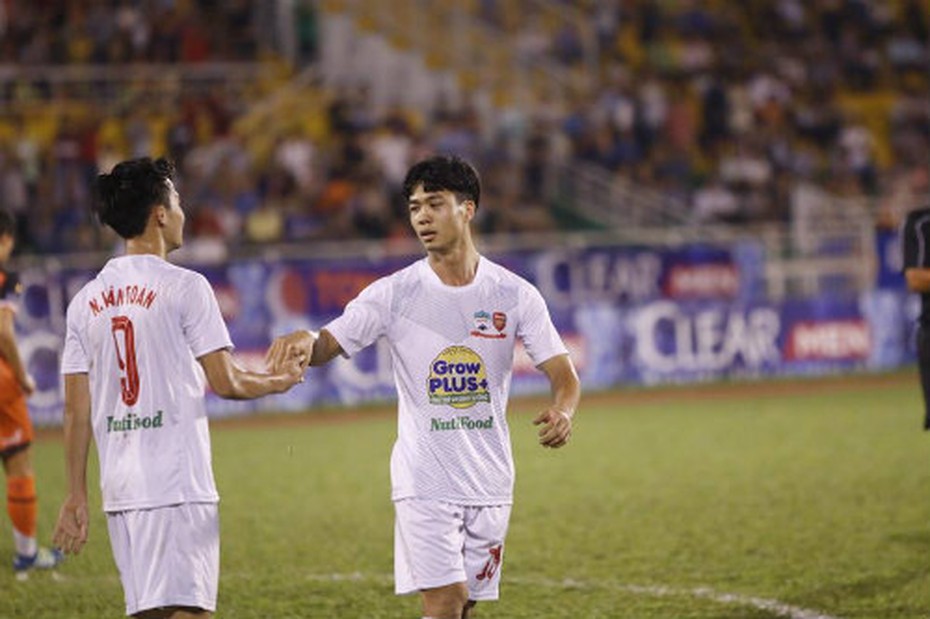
798	500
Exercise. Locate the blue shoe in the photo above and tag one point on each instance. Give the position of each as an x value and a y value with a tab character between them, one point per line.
44	559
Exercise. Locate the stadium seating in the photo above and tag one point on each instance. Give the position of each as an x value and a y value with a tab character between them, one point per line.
595	114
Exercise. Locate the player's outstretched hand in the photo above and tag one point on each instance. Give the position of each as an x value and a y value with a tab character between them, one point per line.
71	530
556	427
292	372
296	346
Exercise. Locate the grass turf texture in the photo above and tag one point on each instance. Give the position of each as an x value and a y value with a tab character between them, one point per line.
813	494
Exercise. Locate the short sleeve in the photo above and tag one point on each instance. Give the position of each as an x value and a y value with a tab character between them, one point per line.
364	319
201	320
74	357
536	331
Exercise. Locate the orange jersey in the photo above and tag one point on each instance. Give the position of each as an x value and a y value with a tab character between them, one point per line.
10	289
15	425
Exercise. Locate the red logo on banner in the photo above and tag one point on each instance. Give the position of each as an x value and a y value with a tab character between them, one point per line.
702	280
829	340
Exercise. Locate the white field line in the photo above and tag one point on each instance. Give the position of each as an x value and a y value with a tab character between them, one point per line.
775	607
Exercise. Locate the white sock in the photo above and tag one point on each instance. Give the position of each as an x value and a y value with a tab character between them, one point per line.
26	546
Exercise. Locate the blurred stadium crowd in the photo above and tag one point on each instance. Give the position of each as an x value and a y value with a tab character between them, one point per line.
721	106
55	32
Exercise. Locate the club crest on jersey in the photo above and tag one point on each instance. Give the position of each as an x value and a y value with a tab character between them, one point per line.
484	322
457	377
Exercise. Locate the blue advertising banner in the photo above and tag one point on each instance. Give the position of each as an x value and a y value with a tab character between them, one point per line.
890	255
629	316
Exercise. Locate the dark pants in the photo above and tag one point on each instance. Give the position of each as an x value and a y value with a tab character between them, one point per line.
923	360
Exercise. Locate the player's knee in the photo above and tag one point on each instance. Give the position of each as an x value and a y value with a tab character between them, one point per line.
17	462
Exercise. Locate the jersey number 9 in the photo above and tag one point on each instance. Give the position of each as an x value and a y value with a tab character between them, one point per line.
126	357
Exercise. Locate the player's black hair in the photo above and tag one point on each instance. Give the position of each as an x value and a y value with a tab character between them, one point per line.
445	173
7	223
127	195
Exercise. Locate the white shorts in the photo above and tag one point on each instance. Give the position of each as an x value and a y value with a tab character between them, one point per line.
167	556
438	544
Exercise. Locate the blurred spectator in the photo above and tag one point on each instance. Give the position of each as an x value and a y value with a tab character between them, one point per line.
392	148
857	147
715	202
115	31
371	212
295	155
14	189
307	27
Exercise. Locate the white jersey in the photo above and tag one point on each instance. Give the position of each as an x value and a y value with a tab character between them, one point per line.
452	350
137	330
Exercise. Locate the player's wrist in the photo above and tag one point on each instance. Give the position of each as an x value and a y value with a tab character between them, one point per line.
568	413
283	382
77	497
311	339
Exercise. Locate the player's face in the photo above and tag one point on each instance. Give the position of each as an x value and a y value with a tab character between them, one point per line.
439	220
174	226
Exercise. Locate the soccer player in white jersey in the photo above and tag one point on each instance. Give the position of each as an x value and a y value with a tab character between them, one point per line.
140	338
452	321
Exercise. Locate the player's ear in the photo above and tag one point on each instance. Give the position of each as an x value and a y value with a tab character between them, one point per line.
470	208
160	213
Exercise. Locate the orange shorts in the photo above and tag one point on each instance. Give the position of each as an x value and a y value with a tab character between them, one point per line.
15	425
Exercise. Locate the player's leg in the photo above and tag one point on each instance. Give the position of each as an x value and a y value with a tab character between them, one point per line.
447	602
21	501
168	559
923	363
21	506
428	542
485	532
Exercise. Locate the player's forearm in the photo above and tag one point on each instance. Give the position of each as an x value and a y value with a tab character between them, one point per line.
564	384
77	444
566	395
230	381
247	385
